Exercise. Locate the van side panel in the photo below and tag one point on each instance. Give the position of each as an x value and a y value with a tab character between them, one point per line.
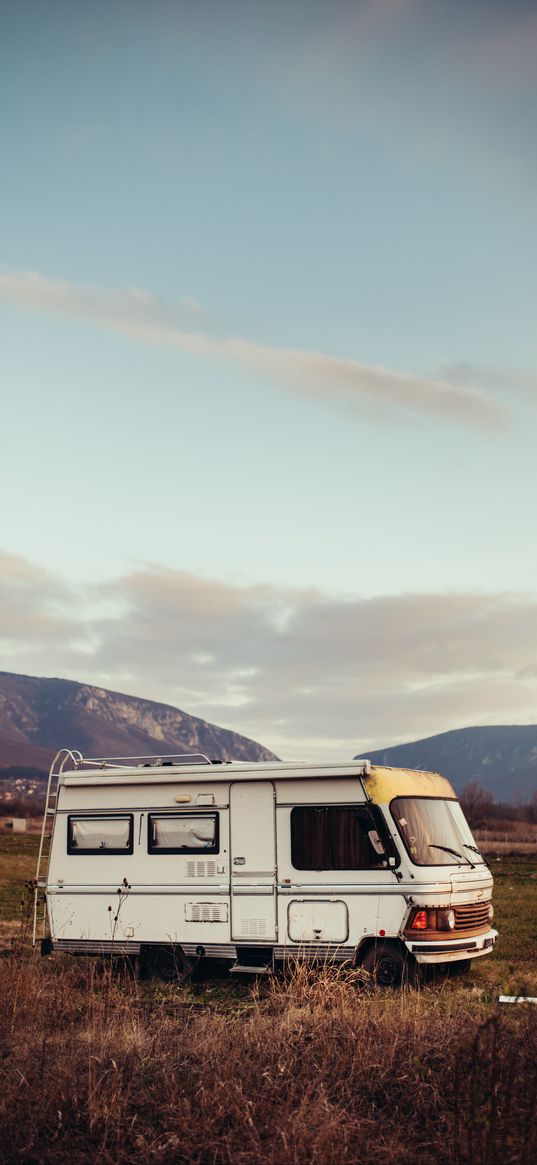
333	906
169	897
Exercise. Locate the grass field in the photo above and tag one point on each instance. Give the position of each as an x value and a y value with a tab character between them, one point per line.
97	1067
18	857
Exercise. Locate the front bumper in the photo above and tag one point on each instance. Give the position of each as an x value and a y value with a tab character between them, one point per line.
452	950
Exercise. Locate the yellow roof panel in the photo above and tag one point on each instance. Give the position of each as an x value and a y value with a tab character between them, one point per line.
383	784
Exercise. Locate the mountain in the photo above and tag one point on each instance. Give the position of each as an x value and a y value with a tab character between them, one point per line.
501	758
39	716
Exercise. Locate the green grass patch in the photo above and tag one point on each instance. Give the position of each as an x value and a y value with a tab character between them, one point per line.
18	858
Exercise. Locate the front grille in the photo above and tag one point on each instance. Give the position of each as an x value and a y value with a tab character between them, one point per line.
472	915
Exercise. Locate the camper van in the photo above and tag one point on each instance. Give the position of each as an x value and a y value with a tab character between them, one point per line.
261	863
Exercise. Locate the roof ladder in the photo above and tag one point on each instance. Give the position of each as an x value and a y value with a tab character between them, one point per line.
51	800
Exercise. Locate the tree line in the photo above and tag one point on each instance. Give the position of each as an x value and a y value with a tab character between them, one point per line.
480	808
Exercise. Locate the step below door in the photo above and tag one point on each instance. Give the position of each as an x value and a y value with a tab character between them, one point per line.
253	862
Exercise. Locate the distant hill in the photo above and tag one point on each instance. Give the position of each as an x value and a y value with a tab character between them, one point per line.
501	758
39	716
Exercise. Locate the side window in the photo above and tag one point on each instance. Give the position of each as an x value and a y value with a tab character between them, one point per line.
99	835
183	833
334	837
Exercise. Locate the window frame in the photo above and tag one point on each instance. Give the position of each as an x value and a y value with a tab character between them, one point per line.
183	849
469	858
78	851
363	808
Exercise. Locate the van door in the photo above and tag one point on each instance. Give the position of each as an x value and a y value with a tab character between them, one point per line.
253	861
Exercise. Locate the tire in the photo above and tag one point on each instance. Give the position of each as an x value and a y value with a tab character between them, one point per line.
167	963
389	965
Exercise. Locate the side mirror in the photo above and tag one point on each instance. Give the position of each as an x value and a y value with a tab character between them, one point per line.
376	843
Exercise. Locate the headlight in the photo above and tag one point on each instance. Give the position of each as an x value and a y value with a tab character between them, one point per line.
445	919
491	912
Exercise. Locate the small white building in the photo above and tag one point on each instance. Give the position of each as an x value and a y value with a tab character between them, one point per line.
16	824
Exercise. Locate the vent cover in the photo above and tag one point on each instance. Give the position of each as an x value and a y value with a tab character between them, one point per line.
206	912
254	927
197	869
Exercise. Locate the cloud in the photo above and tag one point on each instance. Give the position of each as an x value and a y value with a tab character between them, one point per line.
307	674
36	609
513	380
358	388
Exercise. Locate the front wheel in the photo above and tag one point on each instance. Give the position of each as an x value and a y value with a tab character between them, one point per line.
389	965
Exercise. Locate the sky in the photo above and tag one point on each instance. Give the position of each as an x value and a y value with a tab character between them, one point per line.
268	361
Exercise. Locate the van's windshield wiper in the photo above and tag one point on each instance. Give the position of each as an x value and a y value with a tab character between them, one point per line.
477	851
447	850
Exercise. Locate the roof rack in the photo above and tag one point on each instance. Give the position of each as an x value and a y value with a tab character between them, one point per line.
128	762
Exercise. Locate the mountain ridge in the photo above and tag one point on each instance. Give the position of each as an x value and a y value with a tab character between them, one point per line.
39	715
500	757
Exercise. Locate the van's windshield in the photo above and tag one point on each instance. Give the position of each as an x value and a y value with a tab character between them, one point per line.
435	832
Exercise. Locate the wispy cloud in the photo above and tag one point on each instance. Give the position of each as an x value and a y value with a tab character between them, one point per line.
356	387
36	609
306	673
512	380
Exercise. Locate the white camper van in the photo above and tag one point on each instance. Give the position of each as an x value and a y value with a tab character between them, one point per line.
259	863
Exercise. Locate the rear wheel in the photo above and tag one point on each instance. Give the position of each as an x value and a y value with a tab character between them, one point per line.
389	965
168	963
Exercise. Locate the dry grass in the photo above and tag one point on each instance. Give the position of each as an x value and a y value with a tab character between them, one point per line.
317	1069
504	838
508	847
311	1068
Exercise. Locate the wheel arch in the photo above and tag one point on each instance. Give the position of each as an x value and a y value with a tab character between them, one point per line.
372	941
388	961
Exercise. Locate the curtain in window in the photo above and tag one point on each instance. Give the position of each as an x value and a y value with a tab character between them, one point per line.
88	833
331	838
351	848
183	832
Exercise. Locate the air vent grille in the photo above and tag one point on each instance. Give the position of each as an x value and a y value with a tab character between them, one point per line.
253	927
199	869
206	912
